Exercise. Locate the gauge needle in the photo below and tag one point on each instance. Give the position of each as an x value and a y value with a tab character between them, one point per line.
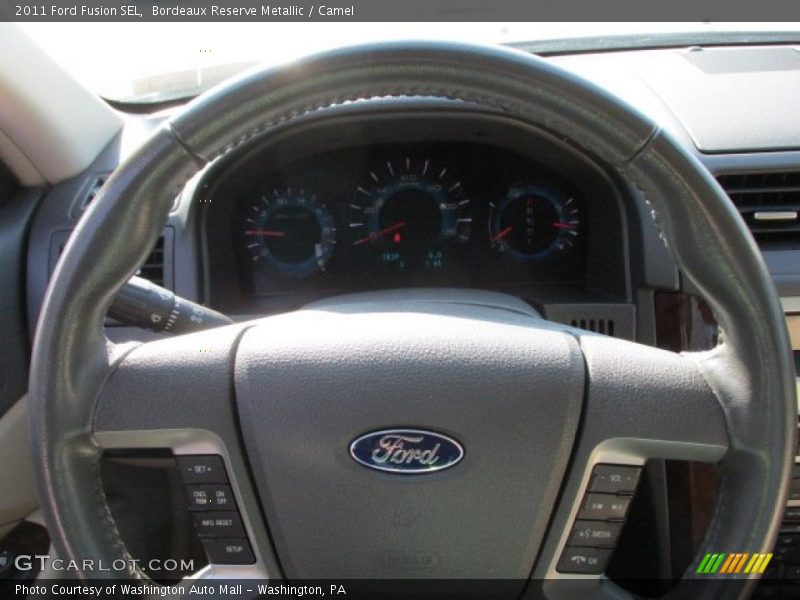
563	225
376	234
265	232
502	234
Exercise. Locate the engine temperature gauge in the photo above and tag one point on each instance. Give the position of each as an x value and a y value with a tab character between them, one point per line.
535	222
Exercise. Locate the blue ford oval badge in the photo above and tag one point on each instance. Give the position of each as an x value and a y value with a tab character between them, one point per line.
406	451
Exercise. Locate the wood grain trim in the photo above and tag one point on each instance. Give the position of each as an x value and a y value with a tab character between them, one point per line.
793	322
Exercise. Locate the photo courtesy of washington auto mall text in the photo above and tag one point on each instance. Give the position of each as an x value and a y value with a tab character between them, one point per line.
240	590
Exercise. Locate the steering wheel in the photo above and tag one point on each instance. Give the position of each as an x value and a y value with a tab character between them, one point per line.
533	406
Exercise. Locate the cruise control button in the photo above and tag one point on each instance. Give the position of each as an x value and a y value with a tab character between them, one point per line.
202	469
229	551
227	524
595	533
614	479
210	497
588	561
604	507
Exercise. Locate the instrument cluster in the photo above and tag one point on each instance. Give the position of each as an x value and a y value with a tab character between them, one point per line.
449	214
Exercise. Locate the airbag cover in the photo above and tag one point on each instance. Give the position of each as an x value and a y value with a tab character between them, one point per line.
504	385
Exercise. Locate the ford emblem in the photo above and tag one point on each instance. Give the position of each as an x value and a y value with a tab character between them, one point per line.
406	451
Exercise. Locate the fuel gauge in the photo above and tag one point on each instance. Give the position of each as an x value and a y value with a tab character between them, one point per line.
535	222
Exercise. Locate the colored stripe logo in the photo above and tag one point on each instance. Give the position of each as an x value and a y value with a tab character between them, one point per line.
733	563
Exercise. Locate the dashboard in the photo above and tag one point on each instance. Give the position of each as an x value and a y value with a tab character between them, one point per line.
399	203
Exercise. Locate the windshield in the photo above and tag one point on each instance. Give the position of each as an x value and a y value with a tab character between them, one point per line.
158	62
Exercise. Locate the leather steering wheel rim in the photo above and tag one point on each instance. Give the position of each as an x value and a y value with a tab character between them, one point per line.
750	370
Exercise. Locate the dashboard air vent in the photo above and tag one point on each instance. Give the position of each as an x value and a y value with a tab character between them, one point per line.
153	267
597	325
91	193
769	204
614	319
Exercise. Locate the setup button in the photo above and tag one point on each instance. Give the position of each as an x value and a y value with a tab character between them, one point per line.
229	551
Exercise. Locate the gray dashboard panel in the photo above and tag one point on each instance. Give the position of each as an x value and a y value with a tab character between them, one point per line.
726	99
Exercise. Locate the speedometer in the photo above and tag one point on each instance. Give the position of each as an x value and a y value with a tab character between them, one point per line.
407	210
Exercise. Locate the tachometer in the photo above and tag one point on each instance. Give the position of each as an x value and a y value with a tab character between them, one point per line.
534	222
290	231
407	209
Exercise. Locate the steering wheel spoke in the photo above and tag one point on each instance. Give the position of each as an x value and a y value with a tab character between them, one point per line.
641	403
176	383
176	395
646	402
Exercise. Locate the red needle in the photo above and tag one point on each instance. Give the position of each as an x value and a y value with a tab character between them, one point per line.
376	234
563	226
265	232
502	234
